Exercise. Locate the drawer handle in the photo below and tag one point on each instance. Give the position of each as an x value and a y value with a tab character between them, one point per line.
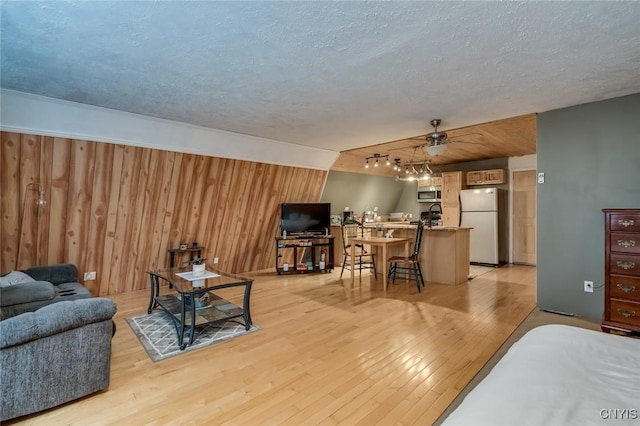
625	313
626	288
625	222
626	265
627	243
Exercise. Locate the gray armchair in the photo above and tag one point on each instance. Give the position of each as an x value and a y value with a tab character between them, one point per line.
54	355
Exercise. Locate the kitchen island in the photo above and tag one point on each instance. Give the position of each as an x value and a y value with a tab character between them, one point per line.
444	254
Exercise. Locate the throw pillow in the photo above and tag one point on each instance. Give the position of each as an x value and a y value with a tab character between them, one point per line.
15	277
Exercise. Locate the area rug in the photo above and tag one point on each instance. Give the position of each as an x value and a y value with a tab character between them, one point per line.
535	319
158	335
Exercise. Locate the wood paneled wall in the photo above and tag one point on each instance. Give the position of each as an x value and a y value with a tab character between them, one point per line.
116	209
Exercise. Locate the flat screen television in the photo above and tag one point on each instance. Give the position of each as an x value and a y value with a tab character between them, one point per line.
305	218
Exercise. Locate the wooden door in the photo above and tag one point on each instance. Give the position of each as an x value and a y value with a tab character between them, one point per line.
524	217
451	185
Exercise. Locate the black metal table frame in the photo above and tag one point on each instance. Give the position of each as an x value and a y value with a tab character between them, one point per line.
154	281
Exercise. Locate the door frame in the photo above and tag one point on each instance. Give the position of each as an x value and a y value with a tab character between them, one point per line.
519	164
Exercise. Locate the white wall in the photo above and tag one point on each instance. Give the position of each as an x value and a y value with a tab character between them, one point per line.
525	162
33	114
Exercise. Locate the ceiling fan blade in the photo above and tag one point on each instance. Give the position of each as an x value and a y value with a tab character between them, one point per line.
409	146
466	134
453	141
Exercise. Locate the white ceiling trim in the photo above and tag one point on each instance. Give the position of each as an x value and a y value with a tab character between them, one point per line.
525	162
35	114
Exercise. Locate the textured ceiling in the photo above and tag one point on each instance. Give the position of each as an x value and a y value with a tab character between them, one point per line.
336	75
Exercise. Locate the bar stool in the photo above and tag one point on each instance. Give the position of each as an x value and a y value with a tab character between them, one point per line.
351	228
408	267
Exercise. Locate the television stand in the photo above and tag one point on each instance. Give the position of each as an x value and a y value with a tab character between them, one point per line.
297	254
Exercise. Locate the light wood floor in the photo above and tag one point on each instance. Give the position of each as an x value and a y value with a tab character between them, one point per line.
326	354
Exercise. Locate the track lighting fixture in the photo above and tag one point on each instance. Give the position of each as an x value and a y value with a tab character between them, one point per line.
377	157
414	171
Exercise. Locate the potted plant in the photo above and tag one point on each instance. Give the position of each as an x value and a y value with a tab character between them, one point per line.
198	265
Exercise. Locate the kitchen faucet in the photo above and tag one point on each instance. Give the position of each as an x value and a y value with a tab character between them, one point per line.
430	211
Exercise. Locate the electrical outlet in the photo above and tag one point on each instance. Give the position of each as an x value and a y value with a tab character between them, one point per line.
215	260
89	276
588	286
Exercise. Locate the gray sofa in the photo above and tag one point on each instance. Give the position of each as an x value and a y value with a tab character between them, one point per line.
57	353
53	283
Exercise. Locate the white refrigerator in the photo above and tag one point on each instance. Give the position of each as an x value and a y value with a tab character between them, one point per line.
484	210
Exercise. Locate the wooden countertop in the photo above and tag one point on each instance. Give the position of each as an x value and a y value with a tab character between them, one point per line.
407	225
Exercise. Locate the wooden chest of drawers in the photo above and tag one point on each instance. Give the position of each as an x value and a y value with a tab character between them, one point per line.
622	270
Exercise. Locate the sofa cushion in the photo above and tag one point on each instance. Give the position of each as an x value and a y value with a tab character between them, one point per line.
55	274
13	278
60	284
26	292
26	297
73	291
54	318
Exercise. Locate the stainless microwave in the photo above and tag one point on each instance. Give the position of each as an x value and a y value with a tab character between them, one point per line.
429	194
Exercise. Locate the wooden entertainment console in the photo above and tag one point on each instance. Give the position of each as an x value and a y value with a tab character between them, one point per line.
301	254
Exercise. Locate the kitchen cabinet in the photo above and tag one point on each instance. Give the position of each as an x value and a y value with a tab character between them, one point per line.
338	245
485	177
451	185
450	216
622	271
432	181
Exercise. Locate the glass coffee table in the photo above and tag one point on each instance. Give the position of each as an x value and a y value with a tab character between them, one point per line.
195	304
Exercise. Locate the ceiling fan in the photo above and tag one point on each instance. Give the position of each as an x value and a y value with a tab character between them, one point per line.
436	141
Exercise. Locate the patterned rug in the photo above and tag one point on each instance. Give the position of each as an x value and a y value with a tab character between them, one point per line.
158	335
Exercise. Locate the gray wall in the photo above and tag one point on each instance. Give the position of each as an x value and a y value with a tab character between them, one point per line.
361	192
408	201
590	155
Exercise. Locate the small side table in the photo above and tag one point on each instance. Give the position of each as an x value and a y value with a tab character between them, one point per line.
193	253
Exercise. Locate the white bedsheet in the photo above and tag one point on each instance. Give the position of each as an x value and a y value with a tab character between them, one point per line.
559	375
